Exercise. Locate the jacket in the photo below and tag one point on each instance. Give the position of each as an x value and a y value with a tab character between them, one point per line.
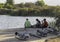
27	24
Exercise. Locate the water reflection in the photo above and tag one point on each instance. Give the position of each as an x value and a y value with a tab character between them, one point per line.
8	22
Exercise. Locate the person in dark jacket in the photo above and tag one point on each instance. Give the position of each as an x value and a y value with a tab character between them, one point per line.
38	24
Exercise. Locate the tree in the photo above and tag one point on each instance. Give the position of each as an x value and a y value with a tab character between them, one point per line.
40	3
1	5
20	5
29	5
8	6
9	2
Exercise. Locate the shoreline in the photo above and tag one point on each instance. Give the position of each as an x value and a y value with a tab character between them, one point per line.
8	36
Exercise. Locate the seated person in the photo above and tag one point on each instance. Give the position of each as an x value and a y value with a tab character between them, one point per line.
27	23
44	24
38	24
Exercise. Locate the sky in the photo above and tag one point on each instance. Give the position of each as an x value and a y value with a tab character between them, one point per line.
48	2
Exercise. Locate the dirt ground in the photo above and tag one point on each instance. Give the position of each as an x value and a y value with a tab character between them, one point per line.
57	39
8	36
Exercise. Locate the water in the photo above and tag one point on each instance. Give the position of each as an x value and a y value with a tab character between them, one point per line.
8	22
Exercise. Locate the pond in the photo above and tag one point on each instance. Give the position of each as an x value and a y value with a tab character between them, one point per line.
8	22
